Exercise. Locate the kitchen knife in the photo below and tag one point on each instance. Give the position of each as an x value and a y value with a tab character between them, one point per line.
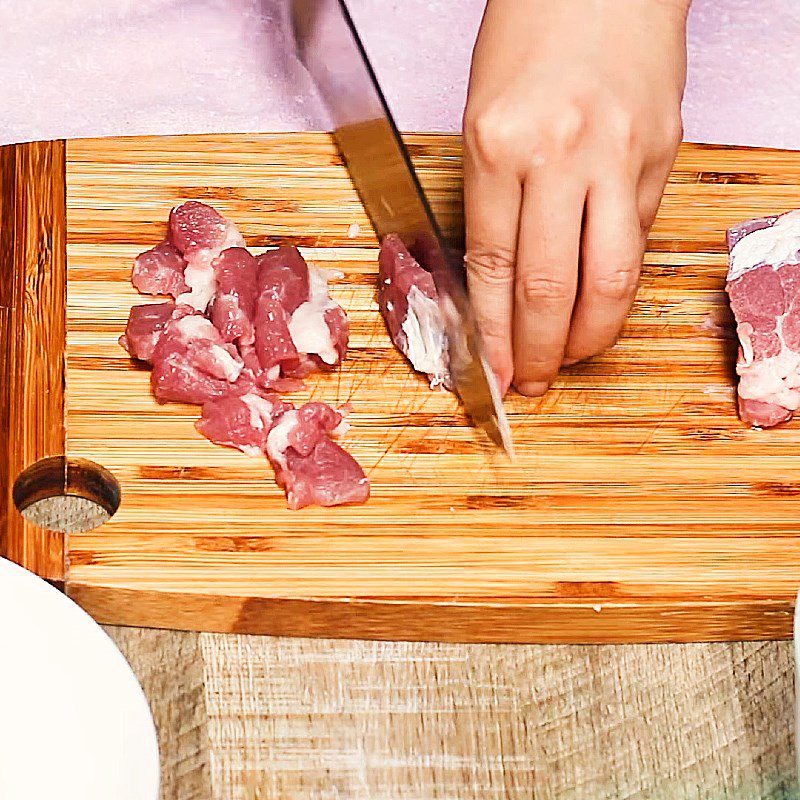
331	50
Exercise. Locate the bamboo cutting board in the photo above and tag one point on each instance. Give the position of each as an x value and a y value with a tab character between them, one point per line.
640	508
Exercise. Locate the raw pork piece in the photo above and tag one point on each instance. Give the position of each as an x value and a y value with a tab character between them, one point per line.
409	303
294	297
233	309
192	364
274	346
241	422
319	325
200	233
144	328
764	290
309	465
284	273
245	326
160	271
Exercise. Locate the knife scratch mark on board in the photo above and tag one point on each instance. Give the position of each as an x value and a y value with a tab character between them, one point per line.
660	424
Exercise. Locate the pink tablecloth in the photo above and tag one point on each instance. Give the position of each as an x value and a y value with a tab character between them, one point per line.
95	67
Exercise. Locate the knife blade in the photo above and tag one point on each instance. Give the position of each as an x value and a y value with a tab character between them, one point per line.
330	48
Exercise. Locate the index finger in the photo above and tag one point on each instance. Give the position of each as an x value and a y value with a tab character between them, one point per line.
492	199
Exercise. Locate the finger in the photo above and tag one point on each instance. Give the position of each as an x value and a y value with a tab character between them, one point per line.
651	192
547	277
492	201
611	258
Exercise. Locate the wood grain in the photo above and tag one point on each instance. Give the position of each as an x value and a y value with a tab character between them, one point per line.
169	666
32	337
640	508
301	719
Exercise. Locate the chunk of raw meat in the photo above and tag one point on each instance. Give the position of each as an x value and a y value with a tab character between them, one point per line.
284	273
242	422
299	327
764	290
160	271
409	303
233	309
274	345
192	364
200	233
246	326
144	328
309	465
318	325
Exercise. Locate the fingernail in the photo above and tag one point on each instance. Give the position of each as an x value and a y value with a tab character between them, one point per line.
569	362
532	388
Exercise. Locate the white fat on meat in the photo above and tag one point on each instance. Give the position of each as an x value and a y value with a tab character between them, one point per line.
775	245
278	438
199	273
194	326
770	380
231	368
307	326
261	411
425	334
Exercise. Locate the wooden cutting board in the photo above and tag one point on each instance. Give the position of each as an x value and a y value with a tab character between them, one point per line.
640	508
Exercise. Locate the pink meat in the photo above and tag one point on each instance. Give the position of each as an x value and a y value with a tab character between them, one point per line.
145	324
764	291
298	326
273	342
284	273
200	233
242	326
233	308
339	327
408	300
160	271
309	465
192	364
242	422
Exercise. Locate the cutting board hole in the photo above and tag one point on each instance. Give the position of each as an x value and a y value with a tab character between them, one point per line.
67	494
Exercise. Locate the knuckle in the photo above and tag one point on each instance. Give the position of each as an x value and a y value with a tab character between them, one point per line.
496	137
536	289
490	266
564	130
490	136
616	284
493	328
541	366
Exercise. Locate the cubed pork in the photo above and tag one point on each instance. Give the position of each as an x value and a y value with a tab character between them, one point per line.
309	465
298	326
242	422
191	362
233	309
160	271
242	326
200	233
145	325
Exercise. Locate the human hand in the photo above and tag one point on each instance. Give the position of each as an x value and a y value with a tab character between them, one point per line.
570	131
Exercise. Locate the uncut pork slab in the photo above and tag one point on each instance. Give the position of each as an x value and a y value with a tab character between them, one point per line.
764	289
